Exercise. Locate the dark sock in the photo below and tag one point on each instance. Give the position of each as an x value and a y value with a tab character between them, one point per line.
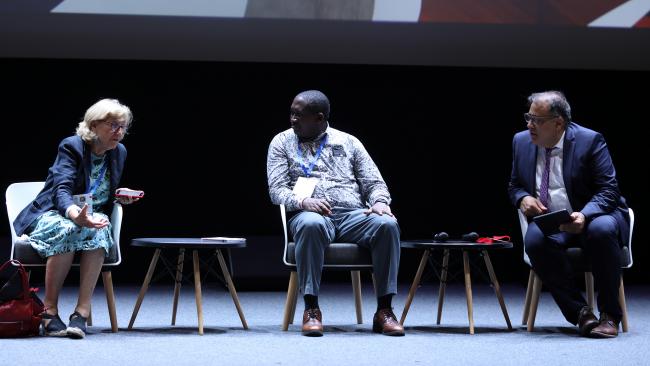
311	302
385	302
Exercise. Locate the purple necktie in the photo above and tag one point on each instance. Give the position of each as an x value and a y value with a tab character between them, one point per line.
543	187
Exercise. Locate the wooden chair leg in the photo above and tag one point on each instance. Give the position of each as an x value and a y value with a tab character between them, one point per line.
356	289
529	294
145	287
497	288
468	291
231	288
107	277
534	301
89	321
621	301
293	308
292	292
178	282
443	284
589	289
197	289
414	285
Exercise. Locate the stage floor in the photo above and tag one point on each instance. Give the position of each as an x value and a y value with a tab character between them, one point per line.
153	341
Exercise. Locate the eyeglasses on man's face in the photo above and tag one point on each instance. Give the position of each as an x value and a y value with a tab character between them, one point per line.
116	126
537	120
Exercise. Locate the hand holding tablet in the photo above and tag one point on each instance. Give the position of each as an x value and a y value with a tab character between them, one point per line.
549	223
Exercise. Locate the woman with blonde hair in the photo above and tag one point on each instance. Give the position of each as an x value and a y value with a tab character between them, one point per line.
88	167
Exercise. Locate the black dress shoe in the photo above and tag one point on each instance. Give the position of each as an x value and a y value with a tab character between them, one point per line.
586	321
608	327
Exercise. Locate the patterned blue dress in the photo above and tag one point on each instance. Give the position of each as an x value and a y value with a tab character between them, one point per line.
53	234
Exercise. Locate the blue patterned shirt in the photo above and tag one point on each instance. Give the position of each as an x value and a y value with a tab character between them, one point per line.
347	176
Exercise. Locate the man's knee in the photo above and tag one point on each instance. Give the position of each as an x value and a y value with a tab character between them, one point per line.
386	224
601	231
311	223
602	227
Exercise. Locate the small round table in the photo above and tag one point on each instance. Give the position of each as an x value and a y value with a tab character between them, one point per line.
465	247
188	243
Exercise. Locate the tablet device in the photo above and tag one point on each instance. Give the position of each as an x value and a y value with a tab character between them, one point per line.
549	223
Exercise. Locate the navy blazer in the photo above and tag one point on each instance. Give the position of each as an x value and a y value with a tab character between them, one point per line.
589	175
69	175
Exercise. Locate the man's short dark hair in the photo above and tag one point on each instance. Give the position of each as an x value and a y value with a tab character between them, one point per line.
316	102
558	103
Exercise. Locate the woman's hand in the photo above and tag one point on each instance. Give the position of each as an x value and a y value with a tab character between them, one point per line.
82	218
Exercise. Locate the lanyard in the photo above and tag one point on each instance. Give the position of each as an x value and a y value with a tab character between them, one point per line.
99	179
308	169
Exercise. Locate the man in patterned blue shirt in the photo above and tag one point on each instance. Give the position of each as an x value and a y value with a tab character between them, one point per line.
327	177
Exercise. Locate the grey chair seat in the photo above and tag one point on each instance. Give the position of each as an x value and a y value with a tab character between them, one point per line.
29	256
347	255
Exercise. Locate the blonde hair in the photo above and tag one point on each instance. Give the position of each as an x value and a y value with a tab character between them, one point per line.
101	111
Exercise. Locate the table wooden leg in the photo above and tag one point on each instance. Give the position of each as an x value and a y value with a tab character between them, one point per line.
414	285
197	289
443	283
178	282
468	291
145	286
231	288
497	288
356	289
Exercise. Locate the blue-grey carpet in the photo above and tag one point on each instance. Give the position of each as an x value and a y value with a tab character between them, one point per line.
153	341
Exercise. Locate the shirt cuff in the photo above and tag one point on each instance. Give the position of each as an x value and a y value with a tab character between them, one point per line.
383	200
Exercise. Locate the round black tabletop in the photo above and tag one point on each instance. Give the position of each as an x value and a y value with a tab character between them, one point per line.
431	244
194	243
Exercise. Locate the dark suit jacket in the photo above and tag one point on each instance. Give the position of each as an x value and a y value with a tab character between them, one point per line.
589	175
69	175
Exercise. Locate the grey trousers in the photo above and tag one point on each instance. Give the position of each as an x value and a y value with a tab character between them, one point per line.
313	232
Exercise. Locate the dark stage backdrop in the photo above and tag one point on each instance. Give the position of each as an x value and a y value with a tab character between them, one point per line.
441	137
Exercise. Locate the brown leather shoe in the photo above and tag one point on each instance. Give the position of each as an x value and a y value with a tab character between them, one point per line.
586	321
312	323
608	327
385	322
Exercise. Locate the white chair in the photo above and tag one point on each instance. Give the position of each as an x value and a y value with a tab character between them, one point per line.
343	256
534	287
18	196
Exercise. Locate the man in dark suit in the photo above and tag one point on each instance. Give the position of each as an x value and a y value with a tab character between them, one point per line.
558	164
